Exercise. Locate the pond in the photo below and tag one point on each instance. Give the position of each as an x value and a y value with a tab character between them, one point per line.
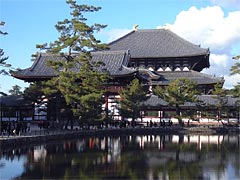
127	157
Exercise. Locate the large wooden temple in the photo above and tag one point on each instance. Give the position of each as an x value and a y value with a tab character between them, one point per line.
156	56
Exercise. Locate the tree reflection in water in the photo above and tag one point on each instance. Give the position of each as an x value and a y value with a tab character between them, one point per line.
132	157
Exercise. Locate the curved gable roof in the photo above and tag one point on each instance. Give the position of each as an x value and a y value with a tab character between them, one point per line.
114	62
155	101
199	78
155	43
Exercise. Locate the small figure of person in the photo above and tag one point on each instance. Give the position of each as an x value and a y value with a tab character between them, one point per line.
155	124
151	123
28	127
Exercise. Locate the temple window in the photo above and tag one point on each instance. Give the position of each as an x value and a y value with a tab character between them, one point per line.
185	69
177	69
150	68
168	69
160	69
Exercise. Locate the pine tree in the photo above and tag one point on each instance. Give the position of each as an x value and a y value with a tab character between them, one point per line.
3	58
79	81
235	69
15	91
34	92
222	100
132	97
177	93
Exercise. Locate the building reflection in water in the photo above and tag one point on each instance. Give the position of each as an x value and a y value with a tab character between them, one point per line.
153	156
160	141
113	145
39	153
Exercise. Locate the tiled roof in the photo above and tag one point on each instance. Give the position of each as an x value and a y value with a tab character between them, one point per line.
39	69
156	43
155	101
211	100
114	62
14	101
199	78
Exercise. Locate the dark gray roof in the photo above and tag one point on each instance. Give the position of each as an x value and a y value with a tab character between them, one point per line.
211	100
200	78
114	62
156	43
14	101
154	100
39	69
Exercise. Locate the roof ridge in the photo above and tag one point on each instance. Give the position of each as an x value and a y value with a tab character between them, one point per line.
187	49
111	52
131	32
187	42
35	62
49	54
147	30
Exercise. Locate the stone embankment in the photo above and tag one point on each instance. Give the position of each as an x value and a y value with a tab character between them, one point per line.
47	136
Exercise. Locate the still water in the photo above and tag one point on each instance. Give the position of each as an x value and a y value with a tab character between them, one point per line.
127	157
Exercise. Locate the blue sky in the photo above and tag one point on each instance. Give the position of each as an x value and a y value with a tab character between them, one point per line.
212	23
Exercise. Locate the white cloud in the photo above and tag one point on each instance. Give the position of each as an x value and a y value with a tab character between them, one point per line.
231	80
211	28
219	65
221	60
116	33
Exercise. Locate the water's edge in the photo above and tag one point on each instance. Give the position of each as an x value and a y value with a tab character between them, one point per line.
31	140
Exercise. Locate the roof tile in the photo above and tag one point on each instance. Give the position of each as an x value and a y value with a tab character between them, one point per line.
156	43
115	63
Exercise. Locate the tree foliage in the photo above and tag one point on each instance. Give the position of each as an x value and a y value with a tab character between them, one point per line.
132	96
16	90
235	69
222	100
34	92
79	79
3	58
177	93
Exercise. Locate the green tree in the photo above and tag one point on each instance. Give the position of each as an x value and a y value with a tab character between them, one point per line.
235	69
33	92
79	80
177	93
222	100
16	90
3	58
132	96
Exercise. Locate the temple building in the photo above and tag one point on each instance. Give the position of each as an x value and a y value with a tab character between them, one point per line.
168	56
155	56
